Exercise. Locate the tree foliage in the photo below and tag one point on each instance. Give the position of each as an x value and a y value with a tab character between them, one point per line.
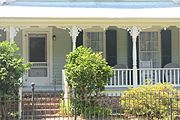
12	67
88	72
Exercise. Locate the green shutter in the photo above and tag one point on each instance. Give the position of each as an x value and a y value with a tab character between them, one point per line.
130	45
165	47
111	47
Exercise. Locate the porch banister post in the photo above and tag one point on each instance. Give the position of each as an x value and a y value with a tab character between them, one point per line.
74	31
134	32
12	33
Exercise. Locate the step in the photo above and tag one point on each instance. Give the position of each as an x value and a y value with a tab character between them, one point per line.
42	105
46	104
42	100
41	111
40	117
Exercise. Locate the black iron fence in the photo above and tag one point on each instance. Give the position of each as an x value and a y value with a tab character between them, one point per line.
53	106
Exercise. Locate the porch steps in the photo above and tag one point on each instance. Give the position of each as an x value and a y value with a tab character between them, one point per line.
46	105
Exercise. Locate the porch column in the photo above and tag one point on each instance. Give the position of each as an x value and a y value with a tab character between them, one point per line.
12	33
134	32
74	31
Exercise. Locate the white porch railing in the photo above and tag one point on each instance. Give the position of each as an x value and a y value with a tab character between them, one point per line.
121	78
159	75
124	77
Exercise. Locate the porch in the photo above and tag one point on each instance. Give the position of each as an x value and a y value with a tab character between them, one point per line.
144	47
138	55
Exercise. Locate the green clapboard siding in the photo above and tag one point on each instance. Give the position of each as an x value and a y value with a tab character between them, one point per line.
2	35
61	47
18	41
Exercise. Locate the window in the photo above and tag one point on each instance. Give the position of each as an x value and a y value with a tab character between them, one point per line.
37	48
149	49
95	41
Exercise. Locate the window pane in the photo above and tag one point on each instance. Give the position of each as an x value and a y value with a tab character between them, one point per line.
95	41
37	72
149	50
37	48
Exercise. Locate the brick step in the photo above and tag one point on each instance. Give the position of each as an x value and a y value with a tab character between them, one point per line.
41	104
42	107
42	94
41	100
44	117
47	105
41	111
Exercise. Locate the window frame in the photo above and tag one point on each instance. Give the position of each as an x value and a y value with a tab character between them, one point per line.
96	29
158	30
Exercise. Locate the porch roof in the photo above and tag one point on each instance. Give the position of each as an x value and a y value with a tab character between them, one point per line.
120	4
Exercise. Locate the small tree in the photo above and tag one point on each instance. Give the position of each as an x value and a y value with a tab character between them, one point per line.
88	72
12	68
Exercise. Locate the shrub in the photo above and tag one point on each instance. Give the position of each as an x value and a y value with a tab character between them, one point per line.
152	101
65	109
94	110
88	72
12	67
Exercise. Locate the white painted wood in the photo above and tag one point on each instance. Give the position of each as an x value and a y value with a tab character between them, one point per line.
73	32
134	32
12	31
123	77
87	40
20	102
53	12
41	81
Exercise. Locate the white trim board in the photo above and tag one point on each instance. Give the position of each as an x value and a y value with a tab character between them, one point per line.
47	31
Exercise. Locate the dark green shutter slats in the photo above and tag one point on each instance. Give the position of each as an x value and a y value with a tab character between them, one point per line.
111	47
165	47
79	39
129	49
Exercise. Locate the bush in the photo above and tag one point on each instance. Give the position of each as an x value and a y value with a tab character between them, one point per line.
93	110
12	67
88	72
152	101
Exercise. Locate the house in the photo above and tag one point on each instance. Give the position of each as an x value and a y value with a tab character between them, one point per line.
143	35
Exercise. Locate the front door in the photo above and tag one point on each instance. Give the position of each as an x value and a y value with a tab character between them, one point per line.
37	52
